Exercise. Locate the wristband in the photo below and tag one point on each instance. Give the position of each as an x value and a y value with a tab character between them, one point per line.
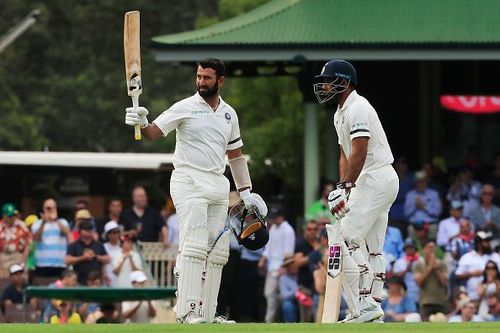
345	185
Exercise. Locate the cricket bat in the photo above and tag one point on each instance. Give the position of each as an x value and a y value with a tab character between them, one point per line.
334	275
132	51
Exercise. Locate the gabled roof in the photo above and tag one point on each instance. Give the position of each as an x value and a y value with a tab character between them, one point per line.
287	25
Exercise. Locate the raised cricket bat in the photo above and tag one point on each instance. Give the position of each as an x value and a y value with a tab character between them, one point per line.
334	275
132	49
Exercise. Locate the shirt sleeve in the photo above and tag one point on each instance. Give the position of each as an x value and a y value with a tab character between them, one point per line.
235	141
169	120
359	122
461	267
72	250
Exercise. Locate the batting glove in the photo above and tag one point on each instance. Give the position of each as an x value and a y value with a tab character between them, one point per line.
337	202
136	116
253	200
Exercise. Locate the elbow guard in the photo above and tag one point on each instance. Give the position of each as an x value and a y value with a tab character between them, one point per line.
239	170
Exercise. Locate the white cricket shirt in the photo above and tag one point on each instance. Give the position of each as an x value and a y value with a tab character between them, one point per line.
203	135
357	118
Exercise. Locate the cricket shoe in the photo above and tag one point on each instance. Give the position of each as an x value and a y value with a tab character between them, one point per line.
372	314
222	320
350	318
191	318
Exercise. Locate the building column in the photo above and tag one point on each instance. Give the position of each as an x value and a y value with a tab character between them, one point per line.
311	153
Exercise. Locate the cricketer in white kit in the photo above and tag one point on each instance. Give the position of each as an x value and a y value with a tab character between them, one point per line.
206	130
368	186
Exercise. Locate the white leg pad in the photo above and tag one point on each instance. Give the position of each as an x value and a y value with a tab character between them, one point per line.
216	260
351	281
189	269
365	271
377	262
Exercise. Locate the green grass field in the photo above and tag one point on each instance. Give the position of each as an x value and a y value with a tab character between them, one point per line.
254	328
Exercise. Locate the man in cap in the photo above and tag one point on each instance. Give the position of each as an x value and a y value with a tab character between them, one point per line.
14	292
450	227
138	311
14	239
422	203
403	268
111	235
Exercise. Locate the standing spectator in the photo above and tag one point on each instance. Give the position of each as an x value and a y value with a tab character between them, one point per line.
472	264
432	278
281	241
319	210
403	269
112	234
397	305
422	203
397	217
80	216
288	286
125	263
51	236
14	292
138	311
143	221
393	244
467	314
115	208
303	248
486	216
450	227
14	240
488	287
465	189
86	254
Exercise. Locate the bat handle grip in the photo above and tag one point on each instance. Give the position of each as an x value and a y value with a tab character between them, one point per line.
137	128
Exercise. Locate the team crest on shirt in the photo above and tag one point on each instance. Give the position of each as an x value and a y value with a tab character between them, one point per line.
228	116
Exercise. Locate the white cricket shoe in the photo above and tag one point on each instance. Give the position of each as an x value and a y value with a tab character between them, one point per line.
372	314
350	318
191	318
222	320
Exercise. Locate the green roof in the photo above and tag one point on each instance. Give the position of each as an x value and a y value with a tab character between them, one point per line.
316	23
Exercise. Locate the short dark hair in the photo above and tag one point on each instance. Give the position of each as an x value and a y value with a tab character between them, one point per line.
216	64
67	273
94	275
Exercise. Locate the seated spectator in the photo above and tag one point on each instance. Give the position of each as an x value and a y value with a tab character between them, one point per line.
432	278
486	216
493	177
467	314
493	307
421	232
65	314
51	236
393	245
449	228
112	235
464	242
489	286
422	203
138	311
472	264
14	240
68	279
397	305
89	312
403	269
14	292
125	263
109	314
465	189
86	254
288	286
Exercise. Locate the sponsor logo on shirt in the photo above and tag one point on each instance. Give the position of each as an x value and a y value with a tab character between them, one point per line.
194	112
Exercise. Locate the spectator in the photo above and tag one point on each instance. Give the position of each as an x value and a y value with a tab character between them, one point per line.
494	307
281	241
467	314
169	215
111	234
403	269
65	314
489	286
464	242
109	314
138	311
14	240
125	263
90	311
318	261
432	278
14	292
143	221
86	254
68	279
288	286
421	232
422	203
465	189
486	216
472	264
319	210
80	216
115	208
30	261
397	217
251	281
303	248
393	245
397	305
449	228
51	236
494	178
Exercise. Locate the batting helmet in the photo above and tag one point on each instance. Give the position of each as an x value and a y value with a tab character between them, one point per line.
249	227
335	77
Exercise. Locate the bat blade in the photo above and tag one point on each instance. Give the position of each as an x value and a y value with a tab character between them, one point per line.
132	53
334	277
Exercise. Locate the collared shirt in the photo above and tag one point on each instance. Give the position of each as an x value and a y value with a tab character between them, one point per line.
14	238
357	118
203	135
281	242
432	208
447	229
471	262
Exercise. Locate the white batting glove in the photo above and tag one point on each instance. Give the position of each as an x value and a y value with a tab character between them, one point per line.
136	116
253	200
337	202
